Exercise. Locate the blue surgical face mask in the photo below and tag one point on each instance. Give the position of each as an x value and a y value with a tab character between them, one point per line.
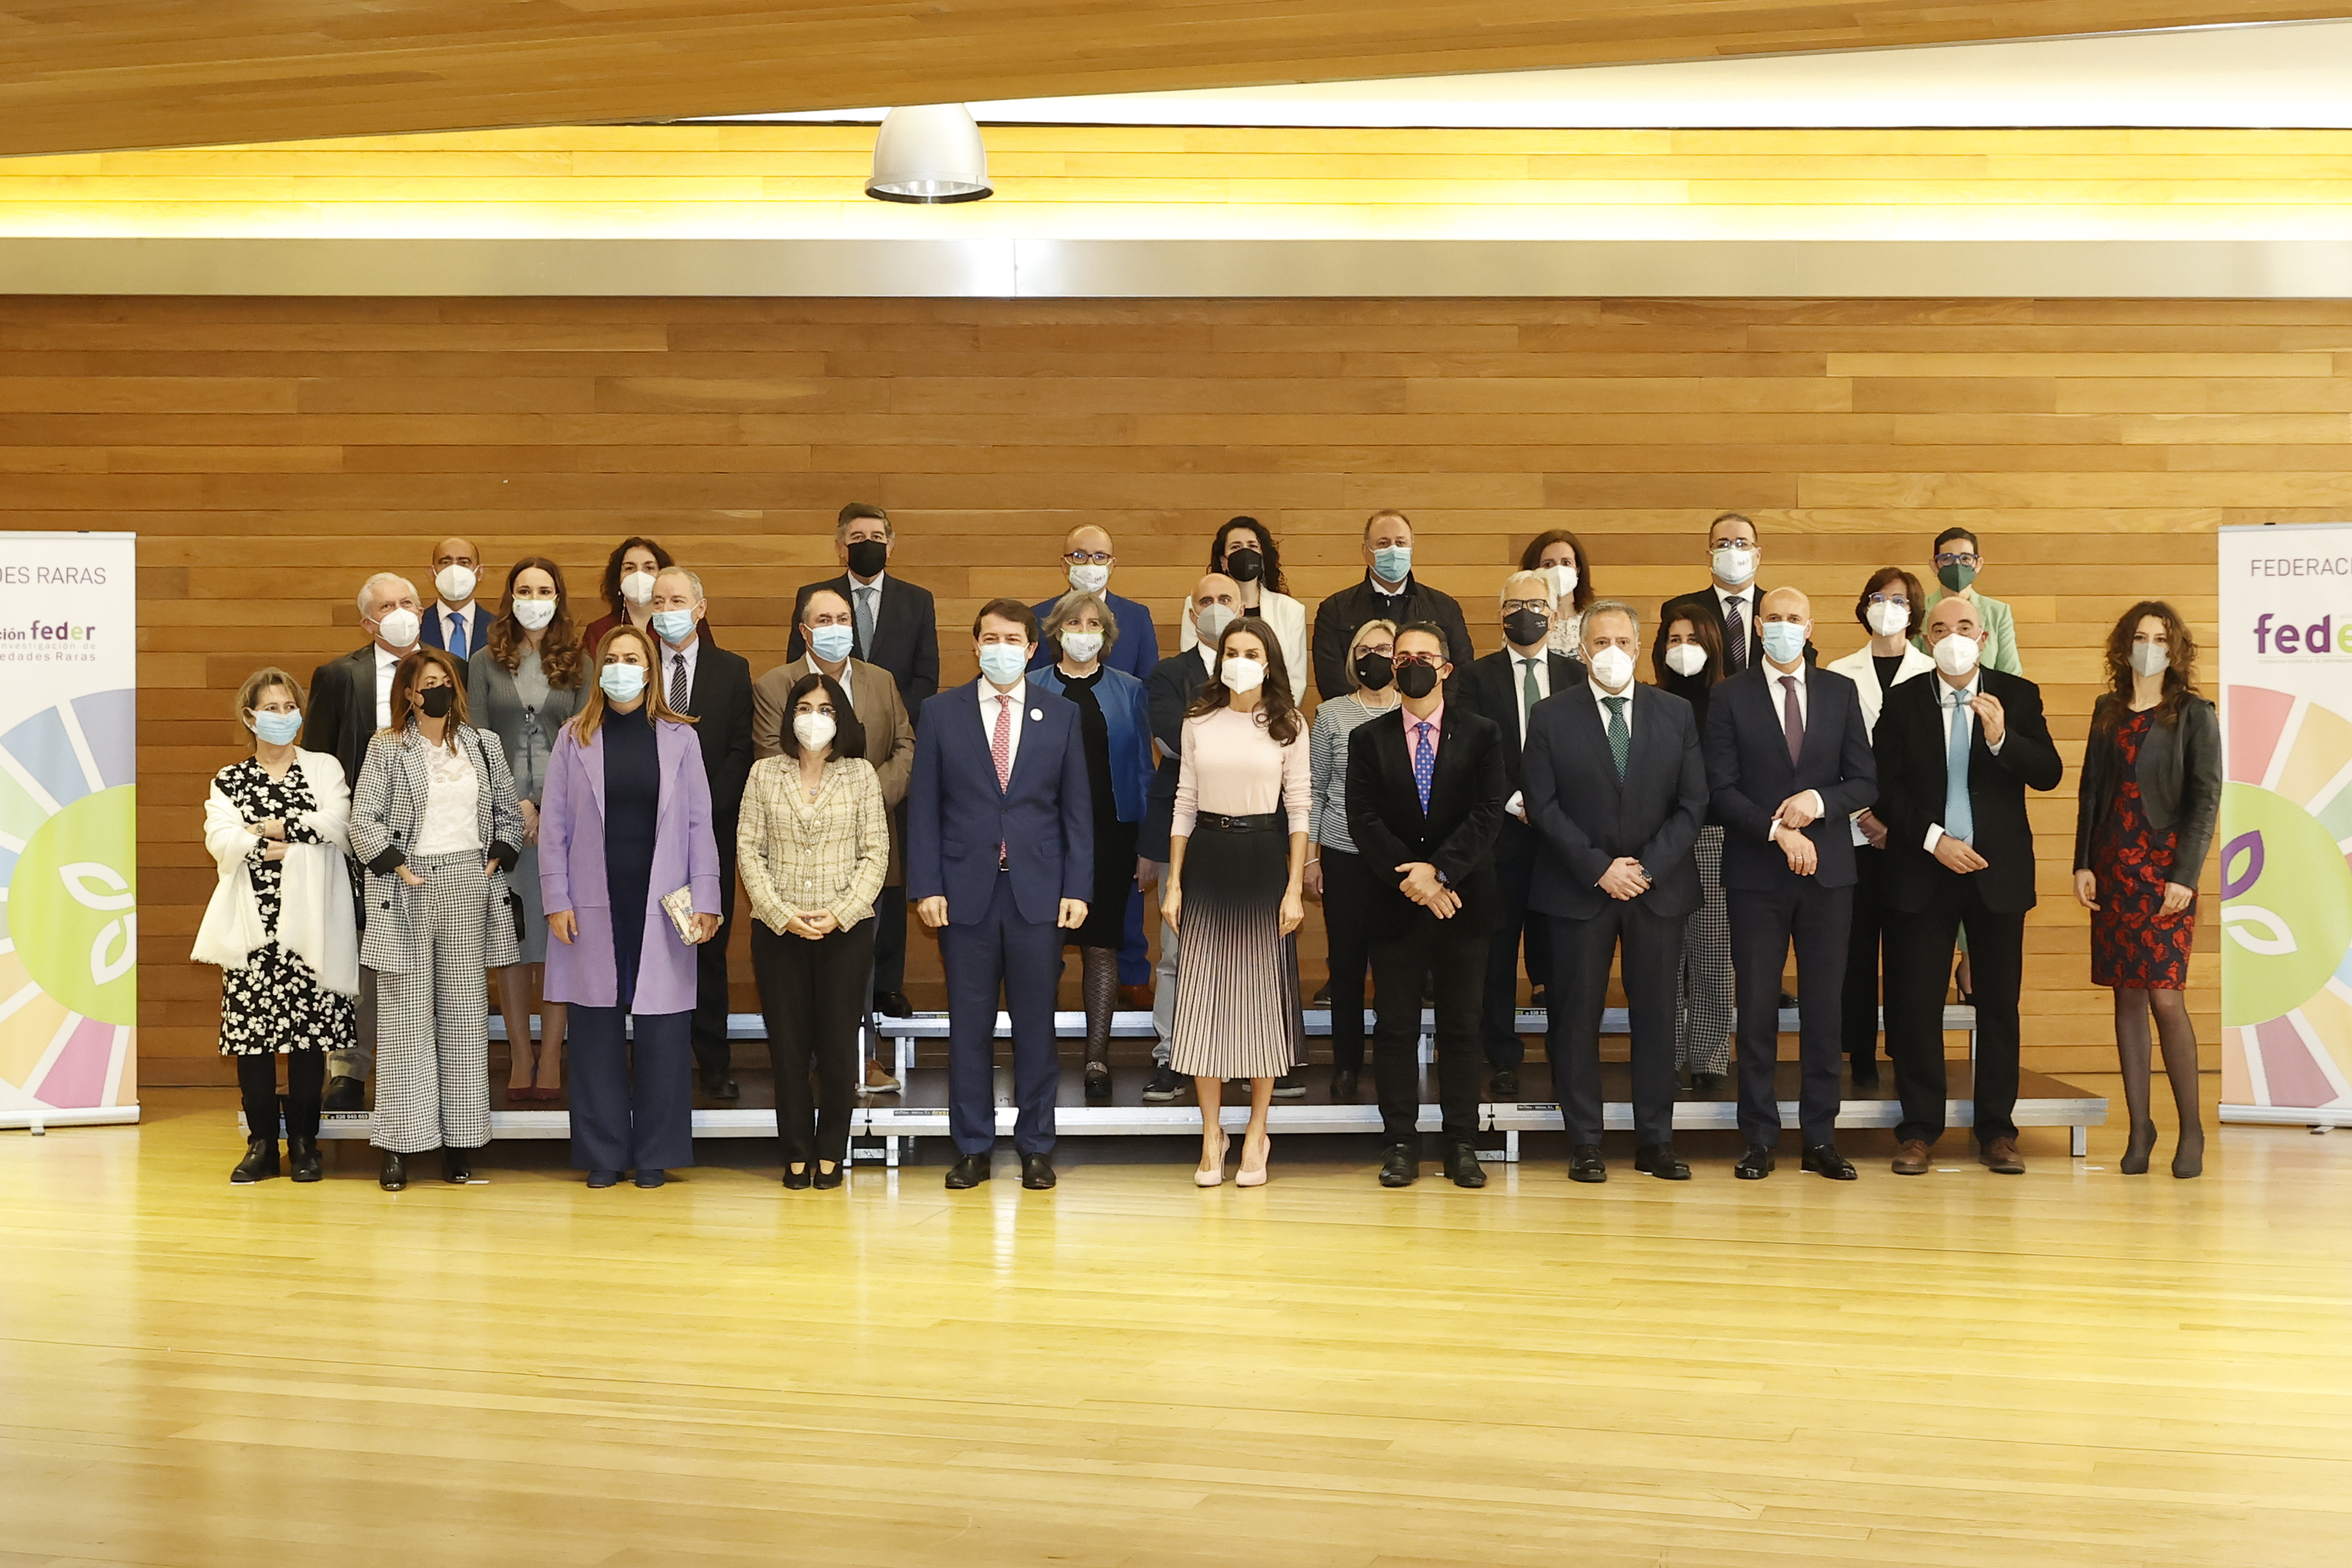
1784	641
1003	662
673	626
832	644
277	728
1392	562
623	682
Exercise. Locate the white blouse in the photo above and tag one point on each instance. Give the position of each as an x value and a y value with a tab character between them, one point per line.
452	804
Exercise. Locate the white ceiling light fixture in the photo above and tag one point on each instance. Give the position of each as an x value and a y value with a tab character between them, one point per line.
930	154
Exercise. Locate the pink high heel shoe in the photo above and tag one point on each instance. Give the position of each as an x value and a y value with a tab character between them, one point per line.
1216	1177
1246	1177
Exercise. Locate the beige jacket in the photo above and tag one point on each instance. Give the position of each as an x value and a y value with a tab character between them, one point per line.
889	737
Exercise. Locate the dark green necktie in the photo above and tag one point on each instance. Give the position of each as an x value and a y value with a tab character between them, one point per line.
1530	693
1621	738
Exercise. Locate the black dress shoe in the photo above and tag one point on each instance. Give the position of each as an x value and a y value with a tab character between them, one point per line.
1585	1164
302	1154
718	1086
604	1178
1539	999
1866	1074
893	1005
1400	1167
1756	1164
798	1181
1705	1082
652	1178
260	1163
825	1181
1344	1083
1824	1160
345	1094
1462	1167
1505	1085
1098	1081
394	1174
1037	1171
1659	1159
457	1166
968	1171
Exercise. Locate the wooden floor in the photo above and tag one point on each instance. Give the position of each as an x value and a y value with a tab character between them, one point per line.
2070	1367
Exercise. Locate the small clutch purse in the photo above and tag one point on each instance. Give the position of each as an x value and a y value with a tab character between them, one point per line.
679	907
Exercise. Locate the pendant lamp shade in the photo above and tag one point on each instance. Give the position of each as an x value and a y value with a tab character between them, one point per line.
928	152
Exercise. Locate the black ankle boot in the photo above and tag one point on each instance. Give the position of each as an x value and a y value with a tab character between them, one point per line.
394	1174
302	1154
260	1163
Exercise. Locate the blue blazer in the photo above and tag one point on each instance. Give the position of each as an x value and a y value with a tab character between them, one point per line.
956	815
1126	715
1748	774
477	627
1136	652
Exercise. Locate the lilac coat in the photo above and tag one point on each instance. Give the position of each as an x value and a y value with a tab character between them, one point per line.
572	872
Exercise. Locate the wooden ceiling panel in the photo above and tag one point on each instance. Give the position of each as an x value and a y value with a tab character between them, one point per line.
92	75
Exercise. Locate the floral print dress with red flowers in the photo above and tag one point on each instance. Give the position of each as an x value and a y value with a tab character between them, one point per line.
2132	944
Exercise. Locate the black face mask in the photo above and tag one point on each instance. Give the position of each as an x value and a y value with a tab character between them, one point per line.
1373	671
1526	627
1244	565
1416	680
437	700
867	555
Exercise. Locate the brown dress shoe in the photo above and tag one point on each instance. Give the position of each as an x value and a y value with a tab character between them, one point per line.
2002	1157
1912	1159
1134	998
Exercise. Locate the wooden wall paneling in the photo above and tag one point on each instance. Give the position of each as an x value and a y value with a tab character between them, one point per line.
268	469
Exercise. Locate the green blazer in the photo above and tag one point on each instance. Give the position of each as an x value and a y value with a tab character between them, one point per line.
2000	648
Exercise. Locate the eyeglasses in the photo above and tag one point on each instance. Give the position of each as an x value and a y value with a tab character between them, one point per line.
1541	606
1088	558
1431	659
1956	558
1902	599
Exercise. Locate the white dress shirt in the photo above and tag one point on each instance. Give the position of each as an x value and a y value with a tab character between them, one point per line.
1772	677
990	700
1961	715
1601	701
385	663
671	657
452	819
1541	660
449	621
841	680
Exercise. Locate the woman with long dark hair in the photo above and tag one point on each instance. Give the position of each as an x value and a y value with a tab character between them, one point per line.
1687	660
523	684
1247	551
2150	789
1558	556
1237	869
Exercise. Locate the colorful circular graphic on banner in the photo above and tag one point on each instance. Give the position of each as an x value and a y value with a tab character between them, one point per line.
2286	905
69	928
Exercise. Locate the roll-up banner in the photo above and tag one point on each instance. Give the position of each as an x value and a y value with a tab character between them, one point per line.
2286	823
68	829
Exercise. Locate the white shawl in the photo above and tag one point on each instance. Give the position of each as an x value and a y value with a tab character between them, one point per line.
315	920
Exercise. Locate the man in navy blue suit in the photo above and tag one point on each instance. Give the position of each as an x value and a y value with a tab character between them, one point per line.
1789	762
1000	860
455	622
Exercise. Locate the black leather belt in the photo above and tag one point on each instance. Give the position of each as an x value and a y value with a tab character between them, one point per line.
1258	823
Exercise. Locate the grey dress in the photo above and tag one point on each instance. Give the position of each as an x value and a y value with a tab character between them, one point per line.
526	714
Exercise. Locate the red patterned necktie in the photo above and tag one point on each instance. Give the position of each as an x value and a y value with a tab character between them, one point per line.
999	747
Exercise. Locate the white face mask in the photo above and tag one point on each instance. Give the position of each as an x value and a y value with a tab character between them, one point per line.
2150	658
1209	623
1562	580
1080	647
814	731
637	587
1089	578
1612	668
1241	674
1957	655
533	615
1734	564
399	627
1890	620
456	583
1686	658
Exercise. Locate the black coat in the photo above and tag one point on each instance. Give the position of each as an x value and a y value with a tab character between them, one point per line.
906	637
1337	619
721	704
1169	689
1491	686
1457	836
1585	818
2180	779
1703	604
1911	780
1748	774
340	718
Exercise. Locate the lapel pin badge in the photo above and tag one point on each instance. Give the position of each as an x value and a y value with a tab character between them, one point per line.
1038	714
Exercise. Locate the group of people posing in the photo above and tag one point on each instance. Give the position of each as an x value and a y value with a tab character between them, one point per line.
478	780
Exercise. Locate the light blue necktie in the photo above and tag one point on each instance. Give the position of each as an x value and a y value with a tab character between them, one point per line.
1424	763
458	638
1959	815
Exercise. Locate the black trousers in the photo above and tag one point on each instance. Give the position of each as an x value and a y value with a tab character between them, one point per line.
1581	950
1402	968
891	939
1347	894
711	1053
814	994
1920	962
1865	936
1764	925
1514	871
306	1084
